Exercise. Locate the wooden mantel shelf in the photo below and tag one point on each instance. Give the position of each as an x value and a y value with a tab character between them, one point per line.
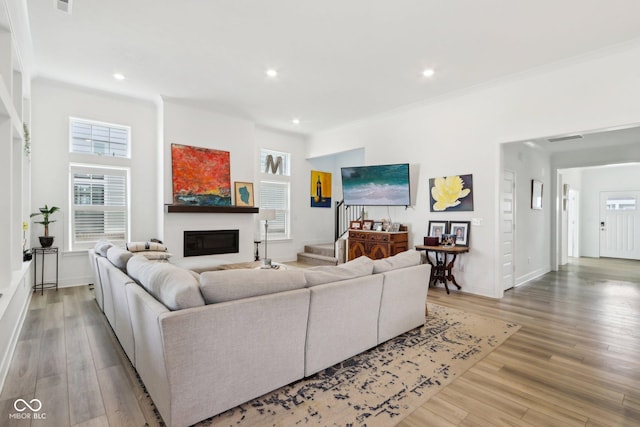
211	209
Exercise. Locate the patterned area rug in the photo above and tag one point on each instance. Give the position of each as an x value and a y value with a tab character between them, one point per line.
383	385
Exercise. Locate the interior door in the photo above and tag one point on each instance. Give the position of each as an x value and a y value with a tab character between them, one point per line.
573	213
507	229
619	223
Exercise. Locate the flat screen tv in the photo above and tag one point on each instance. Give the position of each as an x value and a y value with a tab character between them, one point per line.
379	185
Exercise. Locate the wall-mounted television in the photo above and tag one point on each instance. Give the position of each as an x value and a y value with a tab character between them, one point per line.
378	185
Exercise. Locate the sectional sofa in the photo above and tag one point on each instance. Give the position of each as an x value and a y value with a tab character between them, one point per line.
206	342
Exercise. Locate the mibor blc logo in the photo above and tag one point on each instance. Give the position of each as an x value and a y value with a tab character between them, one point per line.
27	410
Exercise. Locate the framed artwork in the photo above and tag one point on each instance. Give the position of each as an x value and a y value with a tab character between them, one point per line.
355	225
448	240
320	189
536	194
377	226
244	193
394	227
437	228
451	193
460	229
200	176
367	224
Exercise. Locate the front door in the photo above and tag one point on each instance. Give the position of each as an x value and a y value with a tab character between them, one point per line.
619	224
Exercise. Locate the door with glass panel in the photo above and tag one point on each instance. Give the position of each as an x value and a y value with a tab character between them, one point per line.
620	224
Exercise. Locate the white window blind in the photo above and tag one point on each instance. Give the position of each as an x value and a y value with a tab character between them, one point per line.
275	195
99	206
100	139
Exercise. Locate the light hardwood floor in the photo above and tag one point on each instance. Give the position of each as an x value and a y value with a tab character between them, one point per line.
574	361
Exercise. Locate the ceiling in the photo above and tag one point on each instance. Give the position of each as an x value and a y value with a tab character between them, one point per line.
338	61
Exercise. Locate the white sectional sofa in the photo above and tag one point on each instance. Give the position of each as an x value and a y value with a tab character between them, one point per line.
204	343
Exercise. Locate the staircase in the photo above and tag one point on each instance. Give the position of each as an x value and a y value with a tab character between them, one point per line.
321	254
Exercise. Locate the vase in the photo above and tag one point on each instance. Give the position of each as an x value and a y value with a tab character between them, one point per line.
46	241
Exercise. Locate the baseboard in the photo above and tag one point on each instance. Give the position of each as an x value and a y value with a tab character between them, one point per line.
532	275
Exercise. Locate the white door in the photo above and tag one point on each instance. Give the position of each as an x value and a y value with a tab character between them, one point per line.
507	229
619	224
573	216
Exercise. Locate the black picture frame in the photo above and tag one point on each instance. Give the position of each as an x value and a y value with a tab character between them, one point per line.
437	228
462	231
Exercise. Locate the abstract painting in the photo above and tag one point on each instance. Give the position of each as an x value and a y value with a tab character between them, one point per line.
201	176
451	193
244	193
320	189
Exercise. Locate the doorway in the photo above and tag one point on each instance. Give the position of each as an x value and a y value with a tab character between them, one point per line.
619	222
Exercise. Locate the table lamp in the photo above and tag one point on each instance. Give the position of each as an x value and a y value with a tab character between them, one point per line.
266	215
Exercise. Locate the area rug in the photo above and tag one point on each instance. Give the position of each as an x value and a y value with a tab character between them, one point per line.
383	385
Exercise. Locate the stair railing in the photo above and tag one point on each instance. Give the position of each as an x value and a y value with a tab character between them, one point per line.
344	215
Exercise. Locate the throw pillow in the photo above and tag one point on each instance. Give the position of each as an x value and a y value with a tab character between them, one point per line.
119	257
145	246
155	255
101	247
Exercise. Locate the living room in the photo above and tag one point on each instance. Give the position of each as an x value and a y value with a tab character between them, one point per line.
480	129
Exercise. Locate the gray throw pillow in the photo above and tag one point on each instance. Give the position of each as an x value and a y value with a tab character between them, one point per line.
102	247
119	257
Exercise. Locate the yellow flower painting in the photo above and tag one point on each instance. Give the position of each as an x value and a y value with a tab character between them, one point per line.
451	193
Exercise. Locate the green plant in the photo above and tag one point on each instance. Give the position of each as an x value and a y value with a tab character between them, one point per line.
27	140
45	212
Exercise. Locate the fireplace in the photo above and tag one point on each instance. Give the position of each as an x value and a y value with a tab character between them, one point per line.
211	242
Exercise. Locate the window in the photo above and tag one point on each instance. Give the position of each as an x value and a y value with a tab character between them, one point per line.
99	139
275	189
621	204
99	208
275	195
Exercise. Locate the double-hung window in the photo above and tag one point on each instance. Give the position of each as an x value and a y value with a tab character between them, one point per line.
275	189
99	186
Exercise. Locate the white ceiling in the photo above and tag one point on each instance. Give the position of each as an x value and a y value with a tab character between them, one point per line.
338	60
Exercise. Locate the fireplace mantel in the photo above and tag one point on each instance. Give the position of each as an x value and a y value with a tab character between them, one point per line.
211	209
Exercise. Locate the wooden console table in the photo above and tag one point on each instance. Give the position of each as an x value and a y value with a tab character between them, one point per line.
441	270
377	244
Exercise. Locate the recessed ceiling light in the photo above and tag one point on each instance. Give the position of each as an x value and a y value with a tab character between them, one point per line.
118	76
271	72
428	72
295	121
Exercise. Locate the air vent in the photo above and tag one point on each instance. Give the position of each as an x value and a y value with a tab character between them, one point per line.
564	138
64	6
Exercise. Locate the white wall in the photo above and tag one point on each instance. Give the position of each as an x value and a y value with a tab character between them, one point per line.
189	125
594	181
52	105
532	226
462	133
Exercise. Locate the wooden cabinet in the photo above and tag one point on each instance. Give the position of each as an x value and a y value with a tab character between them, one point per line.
377	244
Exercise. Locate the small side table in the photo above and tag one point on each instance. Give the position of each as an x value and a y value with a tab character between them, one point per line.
43	285
441	270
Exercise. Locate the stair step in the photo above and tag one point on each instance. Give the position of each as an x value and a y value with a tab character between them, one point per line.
325	249
316	259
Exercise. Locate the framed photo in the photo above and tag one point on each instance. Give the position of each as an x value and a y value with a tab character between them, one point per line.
377	226
460	229
437	228
536	194
367	224
244	193
394	227
355	225
448	240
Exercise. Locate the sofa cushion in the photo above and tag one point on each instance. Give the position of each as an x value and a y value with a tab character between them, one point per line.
229	285
358	267
119	257
403	259
201	263
102	246
173	286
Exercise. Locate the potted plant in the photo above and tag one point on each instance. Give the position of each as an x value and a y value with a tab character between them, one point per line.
46	211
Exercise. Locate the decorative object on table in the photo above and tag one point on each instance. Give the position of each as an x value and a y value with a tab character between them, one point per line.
394	227
266	215
536	194
243	193
201	176
367	224
377	226
257	245
451	193
431	241
437	229
355	225
386	223
46	240
320	189
448	240
460	229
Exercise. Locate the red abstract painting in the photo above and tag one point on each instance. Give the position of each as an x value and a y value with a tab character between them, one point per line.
201	176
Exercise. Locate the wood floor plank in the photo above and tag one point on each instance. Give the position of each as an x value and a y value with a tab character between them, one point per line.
22	375
52	392
119	399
